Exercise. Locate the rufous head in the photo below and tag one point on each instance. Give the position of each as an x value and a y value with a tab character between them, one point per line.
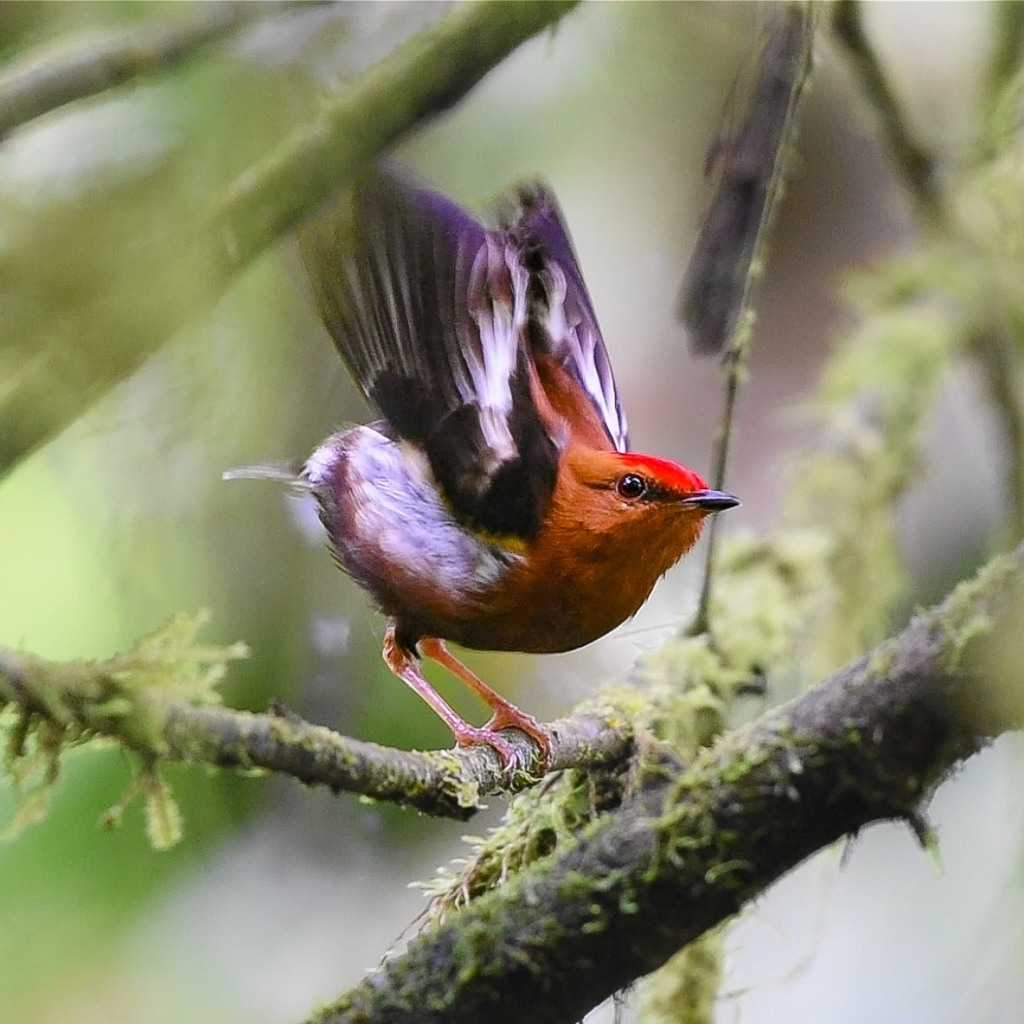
653	508
630	484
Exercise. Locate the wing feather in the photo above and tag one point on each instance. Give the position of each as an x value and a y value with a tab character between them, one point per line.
429	310
561	312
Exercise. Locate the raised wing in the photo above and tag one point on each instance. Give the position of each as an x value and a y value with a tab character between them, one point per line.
560	310
429	311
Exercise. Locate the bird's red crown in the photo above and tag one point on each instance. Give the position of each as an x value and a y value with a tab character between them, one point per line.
668	474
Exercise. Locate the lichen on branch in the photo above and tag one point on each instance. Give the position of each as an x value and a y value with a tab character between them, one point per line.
47	707
159	702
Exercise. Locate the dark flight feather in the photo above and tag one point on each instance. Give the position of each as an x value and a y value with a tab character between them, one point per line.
560	304
436	318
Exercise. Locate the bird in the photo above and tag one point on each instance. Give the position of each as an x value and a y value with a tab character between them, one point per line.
496	504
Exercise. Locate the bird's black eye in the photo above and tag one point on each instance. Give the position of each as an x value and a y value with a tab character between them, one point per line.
631	486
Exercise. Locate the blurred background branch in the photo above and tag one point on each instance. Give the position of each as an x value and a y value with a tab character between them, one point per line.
420	79
42	82
137	259
910	157
942	195
1007	45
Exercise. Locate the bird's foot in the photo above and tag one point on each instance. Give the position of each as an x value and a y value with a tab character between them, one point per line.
508	716
512	757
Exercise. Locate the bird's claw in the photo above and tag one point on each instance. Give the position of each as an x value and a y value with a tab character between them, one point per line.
513	758
512	718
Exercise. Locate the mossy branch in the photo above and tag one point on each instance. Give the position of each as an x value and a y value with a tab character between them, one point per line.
971	213
158	702
445	783
694	844
48	707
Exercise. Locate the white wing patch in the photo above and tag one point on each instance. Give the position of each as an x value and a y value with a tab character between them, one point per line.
498	307
575	341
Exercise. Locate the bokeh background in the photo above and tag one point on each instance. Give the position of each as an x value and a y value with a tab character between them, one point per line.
279	897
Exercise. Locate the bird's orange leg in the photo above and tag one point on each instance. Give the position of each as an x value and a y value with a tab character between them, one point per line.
403	664
506	714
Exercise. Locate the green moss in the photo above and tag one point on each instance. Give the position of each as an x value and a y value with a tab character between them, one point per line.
881	660
124	699
960	620
537	822
685	989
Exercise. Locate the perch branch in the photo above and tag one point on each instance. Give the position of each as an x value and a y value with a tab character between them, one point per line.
445	783
102	698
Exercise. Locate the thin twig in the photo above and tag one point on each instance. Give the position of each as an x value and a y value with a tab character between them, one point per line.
915	165
734	237
38	84
1001	364
719	466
